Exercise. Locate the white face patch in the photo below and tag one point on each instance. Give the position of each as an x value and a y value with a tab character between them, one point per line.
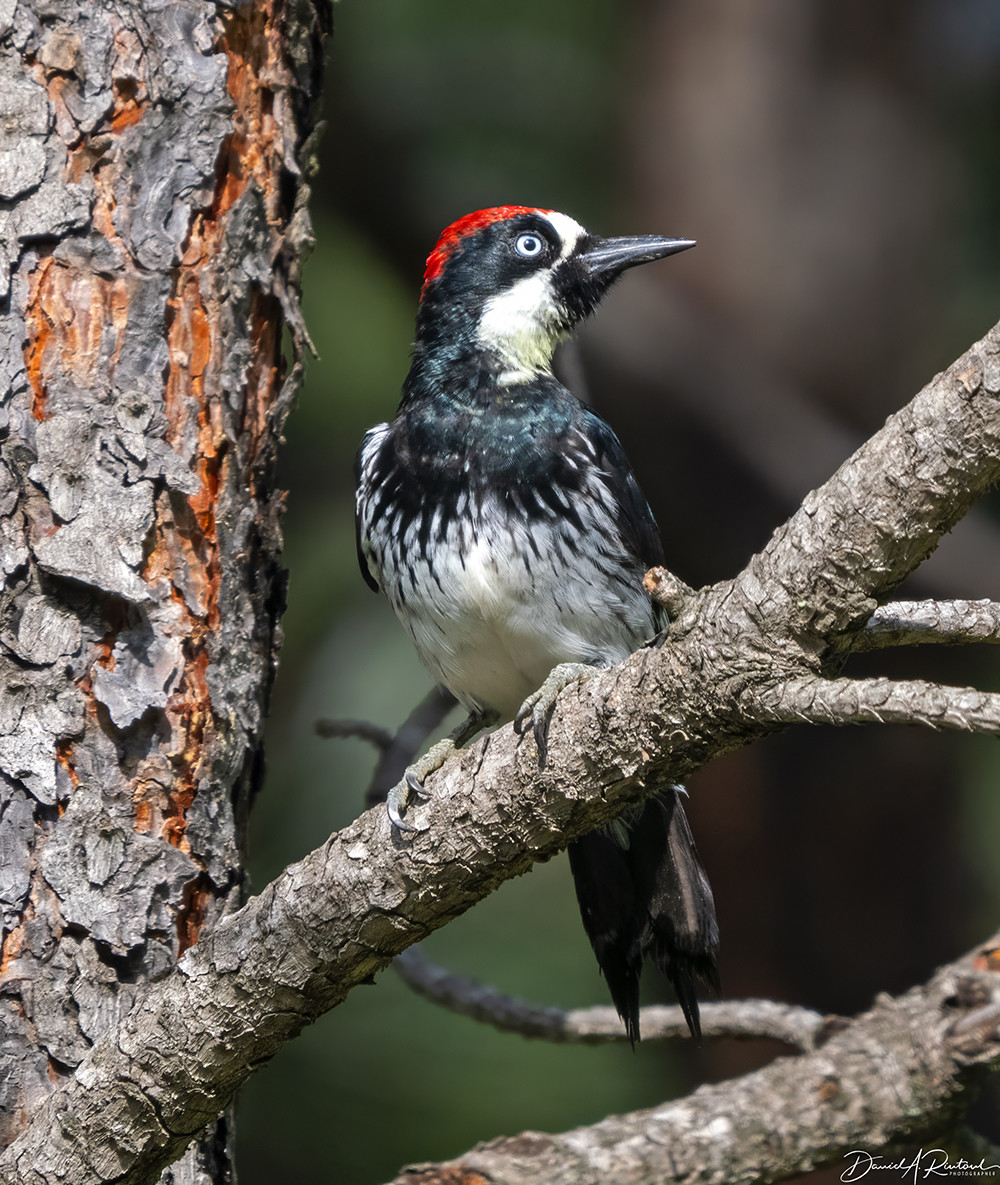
569	231
524	322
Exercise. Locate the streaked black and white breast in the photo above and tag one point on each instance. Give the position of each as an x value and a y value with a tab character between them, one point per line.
517	544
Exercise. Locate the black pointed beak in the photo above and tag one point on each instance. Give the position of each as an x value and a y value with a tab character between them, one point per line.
608	257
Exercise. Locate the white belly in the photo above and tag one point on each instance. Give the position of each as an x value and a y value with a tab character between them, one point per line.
497	615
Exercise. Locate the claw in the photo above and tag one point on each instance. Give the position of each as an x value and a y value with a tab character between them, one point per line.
396	802
412	784
416	786
541	703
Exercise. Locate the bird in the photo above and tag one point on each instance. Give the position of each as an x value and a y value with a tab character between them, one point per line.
501	518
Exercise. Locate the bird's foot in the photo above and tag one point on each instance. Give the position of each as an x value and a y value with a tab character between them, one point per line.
537	708
412	783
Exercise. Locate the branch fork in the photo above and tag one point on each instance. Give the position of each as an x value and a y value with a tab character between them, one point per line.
750	658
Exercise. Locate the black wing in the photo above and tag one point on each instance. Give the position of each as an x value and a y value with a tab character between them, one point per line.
365	466
634	518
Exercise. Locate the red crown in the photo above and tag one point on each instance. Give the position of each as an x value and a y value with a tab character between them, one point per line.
452	235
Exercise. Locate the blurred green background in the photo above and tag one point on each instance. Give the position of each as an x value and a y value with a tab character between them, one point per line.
837	162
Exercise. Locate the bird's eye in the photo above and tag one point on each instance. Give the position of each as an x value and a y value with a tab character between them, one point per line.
529	245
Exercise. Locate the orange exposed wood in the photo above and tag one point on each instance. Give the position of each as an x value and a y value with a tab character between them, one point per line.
39	334
989	959
191	918
252	152
190	710
130	101
70	310
64	756
57	1071
10	948
264	374
143	819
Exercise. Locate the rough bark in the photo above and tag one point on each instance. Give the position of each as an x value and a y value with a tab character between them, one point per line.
150	229
911	623
151	219
333	919
895	1077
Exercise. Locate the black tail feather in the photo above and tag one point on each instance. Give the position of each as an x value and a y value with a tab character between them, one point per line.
649	900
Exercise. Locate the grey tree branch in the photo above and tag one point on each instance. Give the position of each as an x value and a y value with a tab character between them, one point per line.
814	700
362	730
332	920
912	623
466	996
974	1147
894	1076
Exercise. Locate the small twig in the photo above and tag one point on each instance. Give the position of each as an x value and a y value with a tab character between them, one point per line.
364	730
425	719
667	589
746	1019
397	749
887	1081
911	623
815	700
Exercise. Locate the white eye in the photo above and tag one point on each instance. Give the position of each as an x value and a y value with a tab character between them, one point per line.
529	245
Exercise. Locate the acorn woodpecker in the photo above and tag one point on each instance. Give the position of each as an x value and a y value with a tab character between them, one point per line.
501	518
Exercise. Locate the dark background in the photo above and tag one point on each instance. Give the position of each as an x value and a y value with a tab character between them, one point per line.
837	161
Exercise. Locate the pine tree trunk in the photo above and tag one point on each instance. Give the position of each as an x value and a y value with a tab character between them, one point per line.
151	222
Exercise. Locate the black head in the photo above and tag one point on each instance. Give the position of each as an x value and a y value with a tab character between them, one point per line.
516	279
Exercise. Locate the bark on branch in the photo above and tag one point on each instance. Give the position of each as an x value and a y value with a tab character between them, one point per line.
913	623
894	1076
332	920
745	1019
811	699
